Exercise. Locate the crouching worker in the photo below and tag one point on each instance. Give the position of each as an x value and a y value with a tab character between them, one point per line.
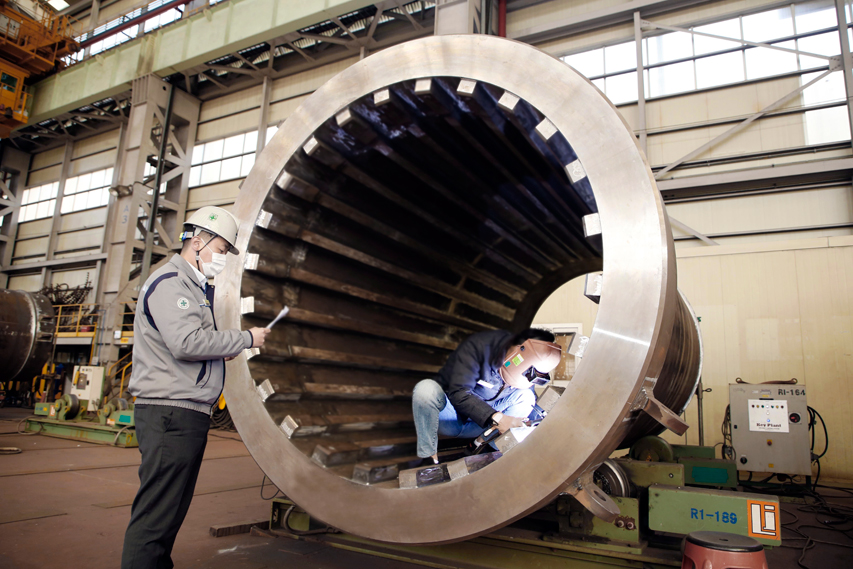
178	375
487	382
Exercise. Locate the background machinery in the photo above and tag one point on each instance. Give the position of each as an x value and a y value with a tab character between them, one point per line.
27	326
82	413
33	41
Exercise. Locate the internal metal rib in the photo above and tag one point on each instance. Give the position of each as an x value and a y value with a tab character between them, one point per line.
400	228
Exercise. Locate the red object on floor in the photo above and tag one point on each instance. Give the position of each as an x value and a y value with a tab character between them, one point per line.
719	550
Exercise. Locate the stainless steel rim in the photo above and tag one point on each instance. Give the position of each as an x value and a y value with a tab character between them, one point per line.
639	276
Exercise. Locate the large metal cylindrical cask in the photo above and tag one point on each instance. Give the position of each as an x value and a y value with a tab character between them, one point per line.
435	189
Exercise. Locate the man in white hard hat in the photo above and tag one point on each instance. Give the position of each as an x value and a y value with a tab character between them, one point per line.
178	375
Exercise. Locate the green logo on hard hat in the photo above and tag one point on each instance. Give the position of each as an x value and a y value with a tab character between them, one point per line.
212	217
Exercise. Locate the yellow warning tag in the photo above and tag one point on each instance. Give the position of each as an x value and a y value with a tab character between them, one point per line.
517	360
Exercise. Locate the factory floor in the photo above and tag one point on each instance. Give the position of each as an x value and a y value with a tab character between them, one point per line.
69	502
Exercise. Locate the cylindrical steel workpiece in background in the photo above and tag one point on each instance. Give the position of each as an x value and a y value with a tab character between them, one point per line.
27	324
432	190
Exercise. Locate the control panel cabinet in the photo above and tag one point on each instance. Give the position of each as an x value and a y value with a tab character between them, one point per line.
770	428
87	383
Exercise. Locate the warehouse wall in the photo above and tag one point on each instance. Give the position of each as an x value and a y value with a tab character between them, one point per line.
776	297
81	228
679	123
239	113
769	312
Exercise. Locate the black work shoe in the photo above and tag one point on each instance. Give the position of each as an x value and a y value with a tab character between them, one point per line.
428	461
473	448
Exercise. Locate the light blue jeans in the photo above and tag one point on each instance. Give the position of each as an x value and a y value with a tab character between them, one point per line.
435	415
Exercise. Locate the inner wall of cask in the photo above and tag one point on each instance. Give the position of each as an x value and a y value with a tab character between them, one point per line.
413	218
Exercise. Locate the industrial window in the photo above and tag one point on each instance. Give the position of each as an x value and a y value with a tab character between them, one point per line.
225	159
166	17
678	62
8	82
87	191
38	202
112	41
827	124
130	33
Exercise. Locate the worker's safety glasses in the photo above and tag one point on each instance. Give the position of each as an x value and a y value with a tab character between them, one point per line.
536	377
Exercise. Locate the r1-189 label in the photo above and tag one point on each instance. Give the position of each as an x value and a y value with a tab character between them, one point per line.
724	517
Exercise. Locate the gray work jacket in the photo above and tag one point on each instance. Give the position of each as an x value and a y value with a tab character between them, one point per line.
177	350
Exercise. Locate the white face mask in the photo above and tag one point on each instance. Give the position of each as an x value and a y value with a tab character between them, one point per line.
215	266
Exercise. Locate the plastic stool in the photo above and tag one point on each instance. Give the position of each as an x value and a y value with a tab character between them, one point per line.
720	550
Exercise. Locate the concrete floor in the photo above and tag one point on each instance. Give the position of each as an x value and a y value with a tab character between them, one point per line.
68	500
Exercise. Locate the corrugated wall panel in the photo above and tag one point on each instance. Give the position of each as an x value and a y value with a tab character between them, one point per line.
95	144
84	239
823	206
307	81
81	219
47	158
32	228
100	161
30	283
767	134
214	194
281	110
43	176
230	104
30	247
233	124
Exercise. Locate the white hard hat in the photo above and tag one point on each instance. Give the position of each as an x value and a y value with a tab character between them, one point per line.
213	220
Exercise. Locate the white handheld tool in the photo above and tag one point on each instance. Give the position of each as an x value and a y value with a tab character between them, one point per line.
281	315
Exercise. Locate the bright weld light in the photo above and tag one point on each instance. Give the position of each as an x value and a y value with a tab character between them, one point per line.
626	338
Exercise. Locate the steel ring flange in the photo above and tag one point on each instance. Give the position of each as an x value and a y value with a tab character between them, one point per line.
588	421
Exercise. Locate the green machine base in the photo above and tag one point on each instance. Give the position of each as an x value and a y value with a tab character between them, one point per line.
661	509
87	431
65	418
516	547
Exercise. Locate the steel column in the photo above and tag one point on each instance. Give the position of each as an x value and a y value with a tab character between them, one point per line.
457	17
641	89
263	121
14	166
151	227
846	59
56	223
140	146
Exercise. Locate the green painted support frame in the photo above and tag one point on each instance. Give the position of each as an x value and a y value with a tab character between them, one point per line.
692	451
509	548
709	472
123	437
679	511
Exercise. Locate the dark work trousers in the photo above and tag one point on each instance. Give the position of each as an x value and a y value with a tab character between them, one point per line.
172	442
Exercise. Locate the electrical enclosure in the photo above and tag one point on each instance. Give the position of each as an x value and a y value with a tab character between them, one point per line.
770	428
